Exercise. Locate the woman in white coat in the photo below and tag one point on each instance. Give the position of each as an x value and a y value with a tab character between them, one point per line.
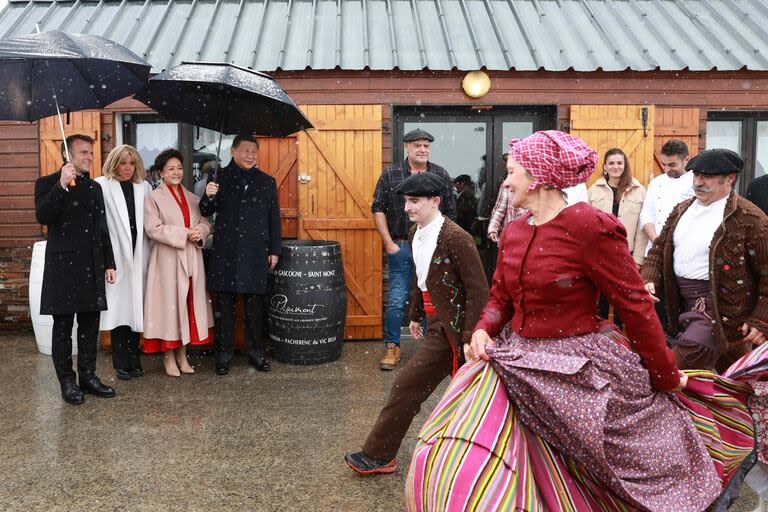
124	190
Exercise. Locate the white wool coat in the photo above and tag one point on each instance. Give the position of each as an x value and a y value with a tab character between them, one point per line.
125	298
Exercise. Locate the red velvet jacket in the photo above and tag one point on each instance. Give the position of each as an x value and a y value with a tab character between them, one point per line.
548	279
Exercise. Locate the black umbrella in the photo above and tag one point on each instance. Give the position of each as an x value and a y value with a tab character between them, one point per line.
45	73
225	98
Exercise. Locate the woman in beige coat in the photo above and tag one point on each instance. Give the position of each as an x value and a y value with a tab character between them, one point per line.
617	192
176	307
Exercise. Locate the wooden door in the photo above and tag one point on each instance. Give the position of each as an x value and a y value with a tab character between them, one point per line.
278	157
675	123
629	127
339	164
86	123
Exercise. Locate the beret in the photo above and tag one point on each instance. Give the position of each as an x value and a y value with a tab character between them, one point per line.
716	161
423	184
462	178
418	135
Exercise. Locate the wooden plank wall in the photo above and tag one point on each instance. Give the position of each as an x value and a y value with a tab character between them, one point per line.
19	163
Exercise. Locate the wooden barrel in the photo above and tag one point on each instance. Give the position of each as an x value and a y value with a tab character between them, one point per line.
307	303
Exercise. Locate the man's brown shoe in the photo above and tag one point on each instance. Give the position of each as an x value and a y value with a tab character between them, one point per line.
391	357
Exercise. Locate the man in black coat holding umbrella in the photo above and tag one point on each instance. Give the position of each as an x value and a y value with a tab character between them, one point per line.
246	241
78	256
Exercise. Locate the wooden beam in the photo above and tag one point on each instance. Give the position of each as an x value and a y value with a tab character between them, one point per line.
348	183
284	167
362	320
352	285
339	224
348	124
606	124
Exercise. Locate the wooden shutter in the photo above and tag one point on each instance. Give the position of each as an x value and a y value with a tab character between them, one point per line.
86	123
339	164
675	123
278	157
618	126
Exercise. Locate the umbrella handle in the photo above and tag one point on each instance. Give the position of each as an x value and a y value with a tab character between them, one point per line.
63	138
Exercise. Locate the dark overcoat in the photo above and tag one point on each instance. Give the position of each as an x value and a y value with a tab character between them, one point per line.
78	251
246	230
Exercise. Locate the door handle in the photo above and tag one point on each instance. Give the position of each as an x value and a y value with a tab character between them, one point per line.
304	178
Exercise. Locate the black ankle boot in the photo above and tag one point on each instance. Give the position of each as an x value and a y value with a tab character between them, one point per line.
91	384
71	393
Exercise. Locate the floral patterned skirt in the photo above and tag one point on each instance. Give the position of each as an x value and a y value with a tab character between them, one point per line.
573	424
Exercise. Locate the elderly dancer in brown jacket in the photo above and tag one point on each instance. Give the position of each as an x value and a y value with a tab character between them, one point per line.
450	290
711	263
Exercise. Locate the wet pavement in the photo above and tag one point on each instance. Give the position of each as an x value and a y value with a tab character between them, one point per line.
247	441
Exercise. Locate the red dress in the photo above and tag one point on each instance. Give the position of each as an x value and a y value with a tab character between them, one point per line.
157	345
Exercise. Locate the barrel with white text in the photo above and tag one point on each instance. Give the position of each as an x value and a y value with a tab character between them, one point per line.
307	303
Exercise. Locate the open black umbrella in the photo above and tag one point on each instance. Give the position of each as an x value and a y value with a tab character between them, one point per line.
51	71
225	98
43	74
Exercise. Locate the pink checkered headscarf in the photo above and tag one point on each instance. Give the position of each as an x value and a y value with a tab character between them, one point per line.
554	158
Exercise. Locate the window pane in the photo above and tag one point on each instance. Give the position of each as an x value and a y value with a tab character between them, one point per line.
204	147
152	138
761	162
514	130
459	147
724	134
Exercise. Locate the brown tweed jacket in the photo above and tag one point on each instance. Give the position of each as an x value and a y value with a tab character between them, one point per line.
456	283
738	274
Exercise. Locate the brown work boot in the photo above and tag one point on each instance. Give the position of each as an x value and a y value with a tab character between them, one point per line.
391	356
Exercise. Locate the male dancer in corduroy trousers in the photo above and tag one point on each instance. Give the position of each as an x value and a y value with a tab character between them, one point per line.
450	291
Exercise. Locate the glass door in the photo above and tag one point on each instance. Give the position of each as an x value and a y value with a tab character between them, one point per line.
470	144
150	134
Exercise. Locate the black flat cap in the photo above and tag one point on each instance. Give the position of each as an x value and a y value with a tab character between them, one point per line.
423	184
462	178
418	135
716	161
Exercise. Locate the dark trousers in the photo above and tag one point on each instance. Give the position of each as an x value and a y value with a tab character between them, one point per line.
423	372
224	335
61	344
125	349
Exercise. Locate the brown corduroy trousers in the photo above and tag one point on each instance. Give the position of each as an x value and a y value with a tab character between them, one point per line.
423	372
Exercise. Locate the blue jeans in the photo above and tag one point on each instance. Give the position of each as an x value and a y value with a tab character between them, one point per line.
400	267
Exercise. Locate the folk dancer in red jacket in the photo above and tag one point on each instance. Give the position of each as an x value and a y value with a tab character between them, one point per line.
587	392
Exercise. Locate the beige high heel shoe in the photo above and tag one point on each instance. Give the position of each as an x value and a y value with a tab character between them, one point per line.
169	361
181	360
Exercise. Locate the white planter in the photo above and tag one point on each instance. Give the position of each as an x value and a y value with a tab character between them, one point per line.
42	324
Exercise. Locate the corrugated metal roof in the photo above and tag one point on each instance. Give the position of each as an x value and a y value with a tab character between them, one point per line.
554	35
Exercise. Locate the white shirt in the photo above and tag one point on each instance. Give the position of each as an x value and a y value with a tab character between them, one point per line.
576	194
424	243
693	237
664	193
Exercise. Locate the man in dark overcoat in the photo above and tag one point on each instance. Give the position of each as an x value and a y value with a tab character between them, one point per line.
246	241
78	256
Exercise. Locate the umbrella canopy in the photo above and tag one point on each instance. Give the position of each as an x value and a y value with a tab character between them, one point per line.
225	98
75	71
